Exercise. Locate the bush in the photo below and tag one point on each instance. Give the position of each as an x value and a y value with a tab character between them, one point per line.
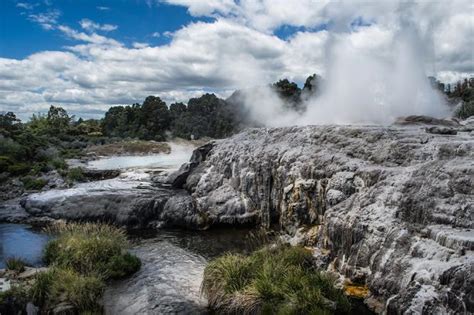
83	292
31	183
76	174
89	248
120	266
59	164
15	264
19	169
466	110
5	162
273	280
14	300
39	291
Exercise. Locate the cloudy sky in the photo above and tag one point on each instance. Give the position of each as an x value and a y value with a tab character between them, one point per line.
89	55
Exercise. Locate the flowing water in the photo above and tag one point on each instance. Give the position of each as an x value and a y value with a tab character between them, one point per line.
173	262
178	155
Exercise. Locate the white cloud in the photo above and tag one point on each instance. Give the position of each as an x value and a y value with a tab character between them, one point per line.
238	49
155	34
91	26
47	20
103	8
92	38
25	5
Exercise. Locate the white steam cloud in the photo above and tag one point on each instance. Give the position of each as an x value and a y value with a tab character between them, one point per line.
370	83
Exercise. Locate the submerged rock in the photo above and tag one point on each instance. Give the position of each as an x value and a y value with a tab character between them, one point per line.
168	283
394	206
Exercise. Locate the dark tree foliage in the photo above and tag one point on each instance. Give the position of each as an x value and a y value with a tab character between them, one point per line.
9	124
464	91
312	84
205	116
290	93
58	120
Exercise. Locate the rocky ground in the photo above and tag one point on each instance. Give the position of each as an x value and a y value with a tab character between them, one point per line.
393	206
389	207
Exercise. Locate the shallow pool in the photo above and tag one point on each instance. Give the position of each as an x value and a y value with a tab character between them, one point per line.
21	241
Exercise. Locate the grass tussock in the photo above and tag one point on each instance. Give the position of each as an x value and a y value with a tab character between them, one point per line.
15	264
273	280
90	248
81	258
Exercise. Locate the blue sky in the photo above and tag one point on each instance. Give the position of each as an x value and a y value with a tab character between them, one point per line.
88	55
136	21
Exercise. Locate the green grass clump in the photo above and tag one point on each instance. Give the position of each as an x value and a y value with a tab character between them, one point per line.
274	280
120	266
82	257
90	248
31	183
19	169
76	174
15	264
82	291
40	289
13	301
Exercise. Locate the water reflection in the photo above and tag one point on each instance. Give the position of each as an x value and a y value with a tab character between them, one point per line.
19	240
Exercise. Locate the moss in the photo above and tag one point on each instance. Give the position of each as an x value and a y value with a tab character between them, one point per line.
274	280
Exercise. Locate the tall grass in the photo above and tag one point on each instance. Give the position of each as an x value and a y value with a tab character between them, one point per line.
82	257
15	264
274	280
91	248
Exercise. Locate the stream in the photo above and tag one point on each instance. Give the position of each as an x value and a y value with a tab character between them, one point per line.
173	261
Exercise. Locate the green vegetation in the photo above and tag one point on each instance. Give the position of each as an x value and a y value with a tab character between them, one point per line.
14	300
466	109
90	248
82	259
76	174
41	145
81	291
31	183
15	264
274	280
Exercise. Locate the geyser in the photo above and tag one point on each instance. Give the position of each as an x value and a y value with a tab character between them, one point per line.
372	76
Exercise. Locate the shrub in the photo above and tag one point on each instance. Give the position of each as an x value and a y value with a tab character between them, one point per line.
466	110
81	291
76	174
14	300
90	248
15	264
274	280
31	183
59	164
5	162
39	291
120	266
19	169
